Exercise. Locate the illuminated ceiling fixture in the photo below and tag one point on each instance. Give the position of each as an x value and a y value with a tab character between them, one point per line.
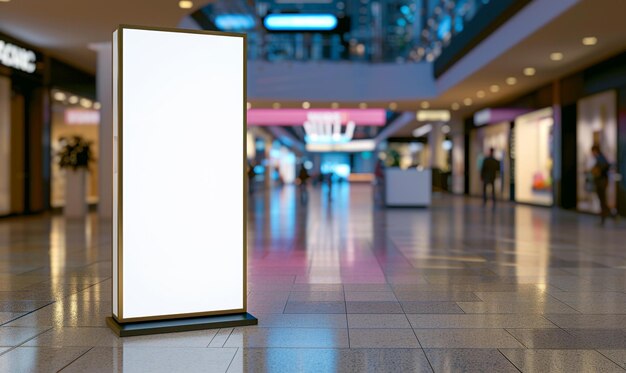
300	22
511	80
590	40
306	105
249	106
433	115
85	103
556	56
494	88
445	129
480	94
422	131
73	100
455	106
185	4
334	105
97	105
425	105
276	105
326	128
468	101
529	71
362	105
393	106
237	22
59	96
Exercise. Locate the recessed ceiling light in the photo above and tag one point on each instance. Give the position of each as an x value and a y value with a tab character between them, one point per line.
185	4
494	88
556	56
529	71
249	106
455	106
590	40
306	105
85	103
433	115
276	105
445	129
334	105
73	100
97	105
393	106
425	105
59	96
362	105
480	94
511	80
468	101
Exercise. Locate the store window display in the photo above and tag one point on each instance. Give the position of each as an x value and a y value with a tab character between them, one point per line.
534	157
73	116
597	125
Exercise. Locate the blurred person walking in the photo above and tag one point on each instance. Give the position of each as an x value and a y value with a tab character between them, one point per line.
600	172
488	173
303	177
251	176
379	182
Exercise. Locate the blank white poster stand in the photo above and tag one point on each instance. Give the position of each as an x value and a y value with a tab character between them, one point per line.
179	190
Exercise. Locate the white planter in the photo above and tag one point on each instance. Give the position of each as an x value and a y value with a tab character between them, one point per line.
75	193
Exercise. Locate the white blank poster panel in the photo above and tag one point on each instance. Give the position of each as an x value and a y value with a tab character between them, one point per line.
183	149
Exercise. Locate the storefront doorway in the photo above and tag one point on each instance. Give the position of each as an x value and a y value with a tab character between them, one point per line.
482	139
534	155
597	125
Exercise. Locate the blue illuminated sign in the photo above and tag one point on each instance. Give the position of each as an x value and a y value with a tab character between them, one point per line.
228	22
300	22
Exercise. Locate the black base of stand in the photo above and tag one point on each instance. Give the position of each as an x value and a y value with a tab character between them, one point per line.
180	325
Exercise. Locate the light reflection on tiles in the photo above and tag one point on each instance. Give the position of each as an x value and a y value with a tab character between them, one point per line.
340	284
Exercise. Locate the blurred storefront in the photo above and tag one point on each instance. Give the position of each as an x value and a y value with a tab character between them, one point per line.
545	152
533	158
23	135
27	77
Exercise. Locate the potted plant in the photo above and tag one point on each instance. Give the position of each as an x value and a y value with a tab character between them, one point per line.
74	158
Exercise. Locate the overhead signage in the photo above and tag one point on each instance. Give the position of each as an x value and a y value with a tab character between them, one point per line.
353	146
499	115
17	57
297	117
322	127
300	22
82	116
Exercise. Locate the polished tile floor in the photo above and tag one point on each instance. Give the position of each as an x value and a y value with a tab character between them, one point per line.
342	285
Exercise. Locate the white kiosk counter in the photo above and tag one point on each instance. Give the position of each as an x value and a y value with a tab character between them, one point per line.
408	188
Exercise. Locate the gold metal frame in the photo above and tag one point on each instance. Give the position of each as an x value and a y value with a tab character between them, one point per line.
120	247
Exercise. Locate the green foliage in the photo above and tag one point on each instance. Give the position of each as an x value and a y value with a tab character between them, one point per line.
75	153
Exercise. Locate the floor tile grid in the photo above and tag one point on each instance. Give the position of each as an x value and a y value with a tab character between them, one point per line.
24	342
614	360
76	359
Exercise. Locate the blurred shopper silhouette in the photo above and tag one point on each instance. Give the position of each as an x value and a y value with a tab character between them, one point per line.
303	178
488	173
379	181
251	176
600	172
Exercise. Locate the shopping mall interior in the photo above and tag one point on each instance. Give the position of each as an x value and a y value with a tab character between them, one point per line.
420	185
